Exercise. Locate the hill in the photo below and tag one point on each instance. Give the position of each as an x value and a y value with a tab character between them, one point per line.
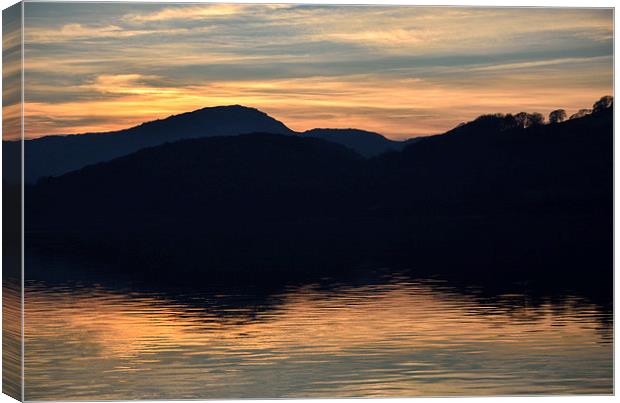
483	198
368	144
57	155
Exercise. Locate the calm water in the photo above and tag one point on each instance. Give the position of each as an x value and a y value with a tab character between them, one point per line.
394	337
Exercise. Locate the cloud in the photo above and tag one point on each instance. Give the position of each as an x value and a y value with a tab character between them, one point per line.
398	106
387	37
188	13
11	121
126	84
436	30
70	32
541	63
396	70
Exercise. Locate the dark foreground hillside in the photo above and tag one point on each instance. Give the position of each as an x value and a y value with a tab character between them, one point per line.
482	199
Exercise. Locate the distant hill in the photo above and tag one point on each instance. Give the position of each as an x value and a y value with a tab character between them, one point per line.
483	197
368	144
56	155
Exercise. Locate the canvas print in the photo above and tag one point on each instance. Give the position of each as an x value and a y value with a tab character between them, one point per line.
226	200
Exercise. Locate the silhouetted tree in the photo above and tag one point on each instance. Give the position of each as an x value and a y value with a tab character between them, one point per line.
557	116
499	120
581	113
509	121
521	120
605	102
490	116
524	119
536	119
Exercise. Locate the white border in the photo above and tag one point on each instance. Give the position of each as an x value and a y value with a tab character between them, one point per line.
475	3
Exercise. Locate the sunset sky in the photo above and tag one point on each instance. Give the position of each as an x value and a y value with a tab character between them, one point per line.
400	71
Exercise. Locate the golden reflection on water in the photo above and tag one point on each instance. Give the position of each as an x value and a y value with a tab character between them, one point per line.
11	336
407	338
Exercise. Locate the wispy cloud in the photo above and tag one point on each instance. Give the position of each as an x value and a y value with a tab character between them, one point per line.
203	12
541	63
71	32
127	84
397	70
187	13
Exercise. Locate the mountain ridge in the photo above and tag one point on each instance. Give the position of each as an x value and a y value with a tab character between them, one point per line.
366	143
55	155
497	200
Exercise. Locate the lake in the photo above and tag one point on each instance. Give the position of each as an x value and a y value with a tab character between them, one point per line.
382	334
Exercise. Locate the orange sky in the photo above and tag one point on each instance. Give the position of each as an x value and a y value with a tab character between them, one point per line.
400	71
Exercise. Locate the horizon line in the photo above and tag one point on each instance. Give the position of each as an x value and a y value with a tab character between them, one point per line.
399	138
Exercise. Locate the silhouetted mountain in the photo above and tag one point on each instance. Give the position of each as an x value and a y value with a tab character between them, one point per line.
483	197
252	176
56	155
368	144
491	163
